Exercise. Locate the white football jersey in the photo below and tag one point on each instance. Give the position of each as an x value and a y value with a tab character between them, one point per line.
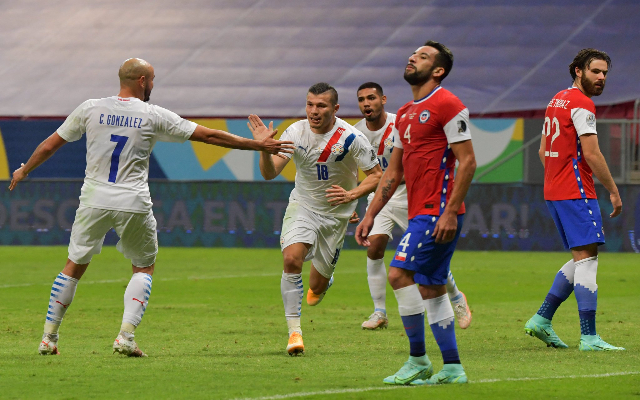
121	133
323	160
382	142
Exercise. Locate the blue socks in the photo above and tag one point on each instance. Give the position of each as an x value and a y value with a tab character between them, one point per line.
560	290
441	321
586	291
414	327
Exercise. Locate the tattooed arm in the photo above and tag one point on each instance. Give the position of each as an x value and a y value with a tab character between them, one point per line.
391	179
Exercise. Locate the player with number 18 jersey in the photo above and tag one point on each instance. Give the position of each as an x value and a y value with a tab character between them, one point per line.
322	161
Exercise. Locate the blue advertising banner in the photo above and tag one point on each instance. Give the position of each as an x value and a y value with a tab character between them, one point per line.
249	214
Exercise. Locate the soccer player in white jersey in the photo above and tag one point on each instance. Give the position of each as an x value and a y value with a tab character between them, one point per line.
377	125
328	152
121	132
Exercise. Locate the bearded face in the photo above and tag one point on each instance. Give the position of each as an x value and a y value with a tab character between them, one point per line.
147	92
593	77
413	76
592	87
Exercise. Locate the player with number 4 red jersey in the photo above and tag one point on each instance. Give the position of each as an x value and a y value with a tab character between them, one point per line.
425	129
432	132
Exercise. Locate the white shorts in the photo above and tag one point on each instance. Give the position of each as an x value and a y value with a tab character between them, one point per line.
389	217
138	237
325	234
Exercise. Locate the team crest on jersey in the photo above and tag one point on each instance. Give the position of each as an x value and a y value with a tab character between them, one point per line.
337	149
424	116
388	142
591	120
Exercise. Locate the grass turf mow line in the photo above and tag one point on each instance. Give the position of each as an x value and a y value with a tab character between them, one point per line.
196	278
376	388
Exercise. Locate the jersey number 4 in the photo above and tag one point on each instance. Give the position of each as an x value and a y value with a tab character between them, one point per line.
115	156
548	127
407	134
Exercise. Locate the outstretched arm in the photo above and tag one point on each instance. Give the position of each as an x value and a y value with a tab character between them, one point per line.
41	154
598	165
225	139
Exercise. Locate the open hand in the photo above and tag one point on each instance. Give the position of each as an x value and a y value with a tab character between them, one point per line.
336	195
18	175
266	137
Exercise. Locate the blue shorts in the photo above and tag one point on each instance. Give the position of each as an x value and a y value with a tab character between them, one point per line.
419	252
578	221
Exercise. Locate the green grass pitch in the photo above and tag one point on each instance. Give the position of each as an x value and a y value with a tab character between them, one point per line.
215	329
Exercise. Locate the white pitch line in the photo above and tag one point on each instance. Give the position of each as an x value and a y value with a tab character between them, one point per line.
376	388
193	278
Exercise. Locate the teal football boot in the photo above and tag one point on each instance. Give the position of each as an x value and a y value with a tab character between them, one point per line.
541	328
409	372
451	373
595	343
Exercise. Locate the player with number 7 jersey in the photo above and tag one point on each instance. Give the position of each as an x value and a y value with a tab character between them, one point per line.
121	132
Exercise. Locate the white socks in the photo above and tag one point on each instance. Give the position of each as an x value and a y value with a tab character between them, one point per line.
439	311
452	289
377	277
136	298
62	292
569	270
292	291
585	273
409	301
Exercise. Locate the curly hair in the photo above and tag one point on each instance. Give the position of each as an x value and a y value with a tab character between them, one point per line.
584	58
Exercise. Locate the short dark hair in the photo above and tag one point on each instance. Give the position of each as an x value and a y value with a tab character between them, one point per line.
371	85
323	87
583	60
444	58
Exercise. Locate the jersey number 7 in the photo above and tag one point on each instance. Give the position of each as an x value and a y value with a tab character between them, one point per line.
115	156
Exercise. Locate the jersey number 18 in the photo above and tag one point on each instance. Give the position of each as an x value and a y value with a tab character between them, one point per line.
323	172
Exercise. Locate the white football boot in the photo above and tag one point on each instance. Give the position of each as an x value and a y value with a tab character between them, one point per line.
124	344
49	344
376	320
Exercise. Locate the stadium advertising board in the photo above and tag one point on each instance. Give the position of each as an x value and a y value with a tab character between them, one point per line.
249	214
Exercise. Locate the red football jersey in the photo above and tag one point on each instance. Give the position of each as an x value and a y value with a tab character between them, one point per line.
566	173
425	128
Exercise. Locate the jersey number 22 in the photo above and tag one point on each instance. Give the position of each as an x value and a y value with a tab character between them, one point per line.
548	126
